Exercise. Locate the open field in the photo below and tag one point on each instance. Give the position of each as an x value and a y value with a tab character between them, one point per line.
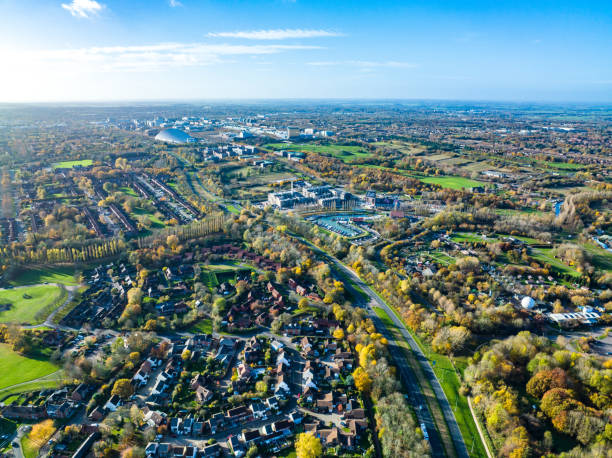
545	255
15	368
453	182
70	164
37	275
346	153
29	305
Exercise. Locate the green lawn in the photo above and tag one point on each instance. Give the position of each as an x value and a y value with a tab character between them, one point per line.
545	255
33	276
129	191
203	326
563	165
453	182
15	368
30	304
346	153
70	164
232	208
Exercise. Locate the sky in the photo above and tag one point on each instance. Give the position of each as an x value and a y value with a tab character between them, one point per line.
123	50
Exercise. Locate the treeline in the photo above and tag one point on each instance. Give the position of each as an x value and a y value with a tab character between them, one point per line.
529	389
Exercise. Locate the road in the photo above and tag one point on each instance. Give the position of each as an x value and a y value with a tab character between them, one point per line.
406	372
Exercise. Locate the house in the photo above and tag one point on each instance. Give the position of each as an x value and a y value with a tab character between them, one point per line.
258	409
237	413
154	418
178	451
296	417
211	451
164	449
187	426
235	446
112	403
272	403
198	381
175	425
281	425
151	449
80	393
244	371
203	395
96	415
250	436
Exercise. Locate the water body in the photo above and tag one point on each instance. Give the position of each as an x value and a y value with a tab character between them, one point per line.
557	207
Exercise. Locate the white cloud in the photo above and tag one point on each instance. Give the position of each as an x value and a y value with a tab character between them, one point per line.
175	3
276	34
365	64
160	56
83	8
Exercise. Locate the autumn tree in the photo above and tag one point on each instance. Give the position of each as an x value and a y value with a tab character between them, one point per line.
42	432
122	388
363	382
308	446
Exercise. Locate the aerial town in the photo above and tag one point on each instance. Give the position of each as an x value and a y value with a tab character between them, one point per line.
305	280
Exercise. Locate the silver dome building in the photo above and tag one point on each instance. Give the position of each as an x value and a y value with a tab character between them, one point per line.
174	136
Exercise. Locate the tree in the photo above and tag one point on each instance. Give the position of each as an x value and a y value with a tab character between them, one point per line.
172	241
186	354
308	446
122	388
42	432
261	387
338	334
134	296
303	304
363	382
546	380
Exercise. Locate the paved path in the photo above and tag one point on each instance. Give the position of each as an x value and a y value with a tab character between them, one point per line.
406	372
49	321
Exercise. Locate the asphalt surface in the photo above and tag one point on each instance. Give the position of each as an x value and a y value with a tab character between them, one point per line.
407	375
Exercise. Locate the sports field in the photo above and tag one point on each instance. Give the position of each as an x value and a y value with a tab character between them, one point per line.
453	182
15	368
30	304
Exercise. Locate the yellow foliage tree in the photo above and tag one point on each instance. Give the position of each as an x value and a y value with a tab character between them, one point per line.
363	382
308	446
42	432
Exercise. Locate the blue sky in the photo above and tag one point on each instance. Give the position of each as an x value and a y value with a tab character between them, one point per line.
72	50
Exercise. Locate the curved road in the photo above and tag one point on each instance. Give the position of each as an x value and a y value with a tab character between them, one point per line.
416	396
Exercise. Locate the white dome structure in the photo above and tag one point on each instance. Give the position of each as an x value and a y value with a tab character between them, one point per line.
174	136
528	303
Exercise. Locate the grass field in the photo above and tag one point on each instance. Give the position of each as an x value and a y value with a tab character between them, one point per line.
449	380
30	304
15	368
70	164
453	182
203	326
33	276
545	255
346	153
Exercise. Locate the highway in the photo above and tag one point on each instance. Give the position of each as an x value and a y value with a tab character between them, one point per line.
406	372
